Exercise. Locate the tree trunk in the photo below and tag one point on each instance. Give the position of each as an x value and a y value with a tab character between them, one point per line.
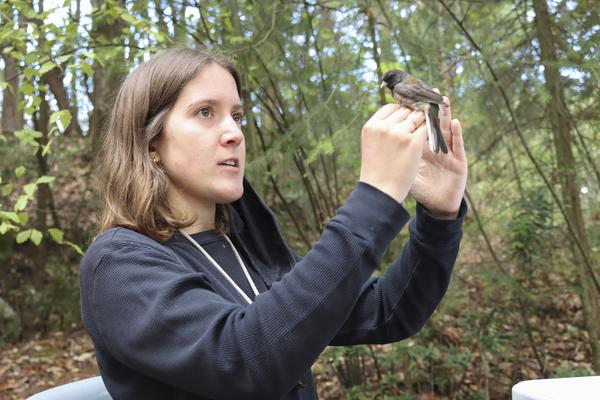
12	118
108	75
39	253
54	79
563	142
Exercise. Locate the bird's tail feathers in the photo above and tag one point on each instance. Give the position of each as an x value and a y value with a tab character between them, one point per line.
434	133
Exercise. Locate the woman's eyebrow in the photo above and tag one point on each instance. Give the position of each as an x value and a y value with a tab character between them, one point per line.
210	102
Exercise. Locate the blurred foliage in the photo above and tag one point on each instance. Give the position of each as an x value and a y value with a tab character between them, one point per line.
310	80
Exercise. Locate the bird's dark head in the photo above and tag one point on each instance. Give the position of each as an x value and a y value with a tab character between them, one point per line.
392	78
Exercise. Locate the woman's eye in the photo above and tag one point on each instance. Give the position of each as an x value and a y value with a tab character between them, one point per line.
238	117
204	112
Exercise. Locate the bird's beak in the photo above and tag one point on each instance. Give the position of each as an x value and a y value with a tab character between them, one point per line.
382	85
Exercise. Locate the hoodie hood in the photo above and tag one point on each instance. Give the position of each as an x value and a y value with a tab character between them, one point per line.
255	231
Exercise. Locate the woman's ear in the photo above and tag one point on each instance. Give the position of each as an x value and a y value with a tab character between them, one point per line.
154	156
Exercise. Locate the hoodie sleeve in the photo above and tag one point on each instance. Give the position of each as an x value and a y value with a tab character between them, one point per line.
398	304
158	317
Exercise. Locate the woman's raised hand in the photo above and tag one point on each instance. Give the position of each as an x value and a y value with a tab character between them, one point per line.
441	178
392	144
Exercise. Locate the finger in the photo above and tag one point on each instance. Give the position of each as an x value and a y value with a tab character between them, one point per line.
412	122
446	100
385	111
421	136
445	119
399	115
457	144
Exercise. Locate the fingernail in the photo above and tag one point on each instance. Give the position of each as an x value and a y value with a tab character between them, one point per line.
446	100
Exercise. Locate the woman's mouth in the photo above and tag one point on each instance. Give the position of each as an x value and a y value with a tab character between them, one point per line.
232	164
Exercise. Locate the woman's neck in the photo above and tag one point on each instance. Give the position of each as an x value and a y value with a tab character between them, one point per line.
199	227
202	213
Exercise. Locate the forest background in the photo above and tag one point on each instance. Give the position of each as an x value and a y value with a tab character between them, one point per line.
523	77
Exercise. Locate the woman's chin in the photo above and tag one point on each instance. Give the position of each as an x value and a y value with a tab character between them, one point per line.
228	196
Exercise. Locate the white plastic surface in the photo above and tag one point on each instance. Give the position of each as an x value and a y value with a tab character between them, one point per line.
579	388
86	389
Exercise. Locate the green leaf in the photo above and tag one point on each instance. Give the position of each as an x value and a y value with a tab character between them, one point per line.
237	39
30	189
2	137
159	36
47	66
36	237
75	247
227	23
29	13
5	227
28	136
22	237
129	18
85	67
62	118
63	59
7	189
89	54
29	72
27	88
23	218
5	34
36	100
21	203
20	171
57	235
71	30
65	118
13	216
45	179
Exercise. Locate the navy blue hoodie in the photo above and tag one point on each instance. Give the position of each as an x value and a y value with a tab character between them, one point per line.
166	326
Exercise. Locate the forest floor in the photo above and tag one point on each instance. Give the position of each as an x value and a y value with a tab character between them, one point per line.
45	361
35	365
38	364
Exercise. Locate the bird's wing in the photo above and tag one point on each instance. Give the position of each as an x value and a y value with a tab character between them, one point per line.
417	93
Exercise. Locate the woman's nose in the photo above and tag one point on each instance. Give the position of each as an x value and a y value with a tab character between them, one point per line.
232	133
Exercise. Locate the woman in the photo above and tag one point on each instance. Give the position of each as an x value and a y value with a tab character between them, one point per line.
190	292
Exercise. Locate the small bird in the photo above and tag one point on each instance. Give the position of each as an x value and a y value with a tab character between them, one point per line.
412	92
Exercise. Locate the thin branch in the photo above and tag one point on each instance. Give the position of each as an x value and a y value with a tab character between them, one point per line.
392	28
526	147
204	25
330	202
278	192
268	33
64	53
584	147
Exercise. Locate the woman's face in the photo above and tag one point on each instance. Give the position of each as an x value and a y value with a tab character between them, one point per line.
202	131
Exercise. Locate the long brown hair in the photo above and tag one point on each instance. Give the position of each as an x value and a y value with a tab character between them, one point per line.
133	187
